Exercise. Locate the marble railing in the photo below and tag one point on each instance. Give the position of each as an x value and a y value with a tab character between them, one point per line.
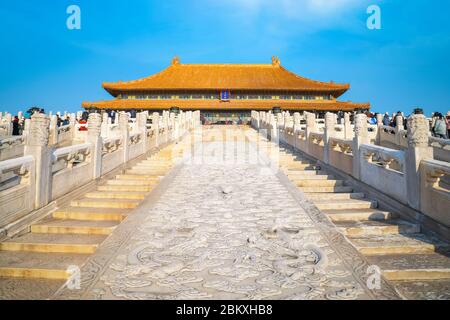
72	168
112	154
441	149
435	190
340	154
12	147
45	174
5	129
397	138
393	137
384	169
392	171
17	189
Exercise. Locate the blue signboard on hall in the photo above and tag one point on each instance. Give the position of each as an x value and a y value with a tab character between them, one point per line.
225	95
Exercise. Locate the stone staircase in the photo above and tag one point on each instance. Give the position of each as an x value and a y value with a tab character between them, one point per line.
417	264
71	234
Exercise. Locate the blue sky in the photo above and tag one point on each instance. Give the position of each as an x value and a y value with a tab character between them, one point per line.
405	64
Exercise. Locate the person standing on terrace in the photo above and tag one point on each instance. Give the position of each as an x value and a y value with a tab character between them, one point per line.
440	127
16	126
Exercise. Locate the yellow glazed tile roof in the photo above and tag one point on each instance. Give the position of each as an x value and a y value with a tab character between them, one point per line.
325	105
225	76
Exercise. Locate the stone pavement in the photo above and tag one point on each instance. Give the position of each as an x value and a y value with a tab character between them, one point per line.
223	226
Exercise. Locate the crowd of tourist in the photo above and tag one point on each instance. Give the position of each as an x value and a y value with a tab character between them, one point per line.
18	121
439	124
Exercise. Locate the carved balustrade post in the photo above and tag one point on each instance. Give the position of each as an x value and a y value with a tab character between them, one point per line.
105	124
124	128
348	132
257	120
273	128
177	118
287	123
141	123
94	137
181	122
361	137
311	126
280	120
165	126
53	137
262	119
330	123
72	123
8	121
155	127
418	149
398	128
296	127
379	124
26	129
171	133
188	119
37	146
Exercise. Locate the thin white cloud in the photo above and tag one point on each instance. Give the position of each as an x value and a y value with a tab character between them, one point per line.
302	9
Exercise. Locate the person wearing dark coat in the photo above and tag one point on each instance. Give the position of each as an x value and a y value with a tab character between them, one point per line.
16	126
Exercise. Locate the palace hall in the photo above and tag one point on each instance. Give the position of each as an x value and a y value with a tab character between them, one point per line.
226	93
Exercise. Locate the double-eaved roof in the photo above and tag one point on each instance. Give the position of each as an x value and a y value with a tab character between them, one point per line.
250	78
246	77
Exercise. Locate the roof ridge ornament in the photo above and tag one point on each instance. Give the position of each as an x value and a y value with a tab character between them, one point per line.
176	60
276	61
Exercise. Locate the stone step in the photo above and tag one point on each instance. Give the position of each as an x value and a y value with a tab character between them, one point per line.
339	189
305	173
54	243
74	227
35	265
410	267
105	203
131	183
289	158
137	177
320	183
92	214
335	196
424	289
125	188
417	274
296	178
157	164
394	244
298	168
156	173
377	228
293	163
345	204
151	167
140	171
166	155
359	215
116	195
28	288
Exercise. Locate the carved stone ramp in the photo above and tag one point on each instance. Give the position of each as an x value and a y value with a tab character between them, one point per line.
418	265
222	226
36	264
